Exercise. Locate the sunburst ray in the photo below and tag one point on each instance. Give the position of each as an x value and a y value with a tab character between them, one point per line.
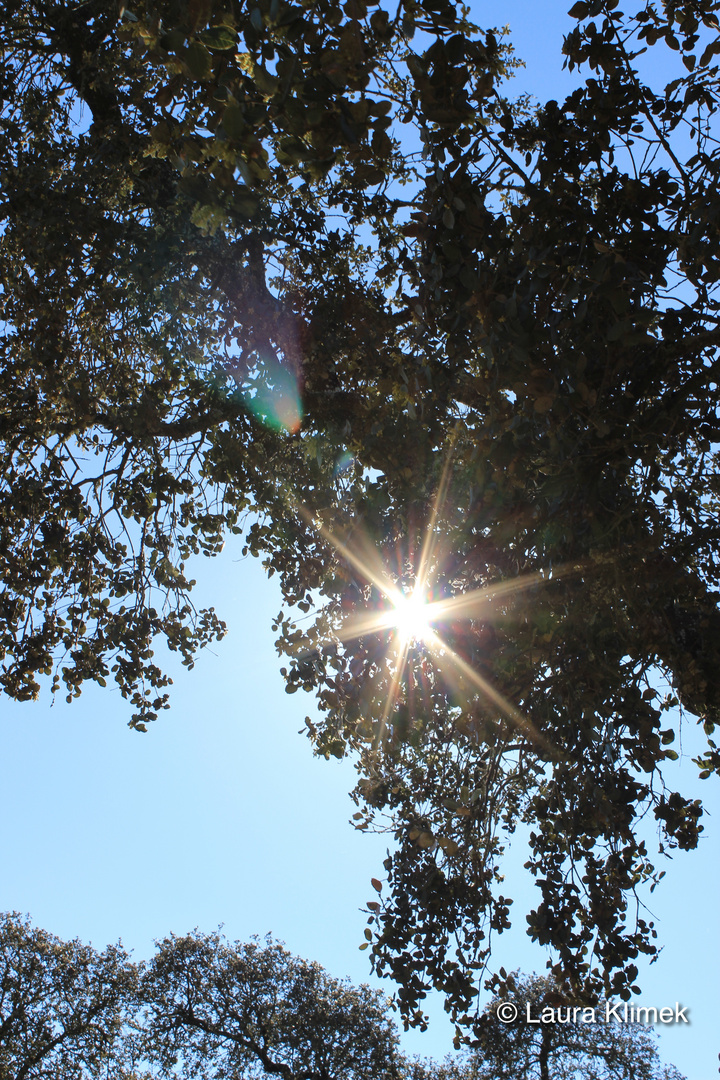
452	664
359	552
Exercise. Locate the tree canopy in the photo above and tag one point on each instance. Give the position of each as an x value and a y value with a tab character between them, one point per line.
564	1048
309	270
64	1007
247	1009
207	1008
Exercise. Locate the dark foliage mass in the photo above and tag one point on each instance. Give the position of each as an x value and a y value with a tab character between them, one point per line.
312	262
64	1008
205	1008
231	1009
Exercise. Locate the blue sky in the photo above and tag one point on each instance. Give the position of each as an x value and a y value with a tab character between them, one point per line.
220	814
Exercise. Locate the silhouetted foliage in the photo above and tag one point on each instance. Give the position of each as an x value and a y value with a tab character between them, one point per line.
64	1008
572	1041
227	1009
313	261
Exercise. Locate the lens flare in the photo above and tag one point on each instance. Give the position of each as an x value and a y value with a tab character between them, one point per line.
343	464
275	398
411	617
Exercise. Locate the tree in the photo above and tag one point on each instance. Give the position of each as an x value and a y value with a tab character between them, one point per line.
563	1048
154	180
564	366
63	1006
202	1007
224	1008
206	1008
303	236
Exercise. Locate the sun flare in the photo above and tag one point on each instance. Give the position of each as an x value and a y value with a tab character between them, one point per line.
416	618
411	617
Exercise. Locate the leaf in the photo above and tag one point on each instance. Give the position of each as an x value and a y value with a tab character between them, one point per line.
198	60
266	83
219	37
245	202
712	50
233	121
377	885
165	95
450	847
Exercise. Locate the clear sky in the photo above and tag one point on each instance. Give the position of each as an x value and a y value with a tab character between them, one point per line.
220	814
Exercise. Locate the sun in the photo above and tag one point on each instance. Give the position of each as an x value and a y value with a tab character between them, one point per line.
411	616
415	617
